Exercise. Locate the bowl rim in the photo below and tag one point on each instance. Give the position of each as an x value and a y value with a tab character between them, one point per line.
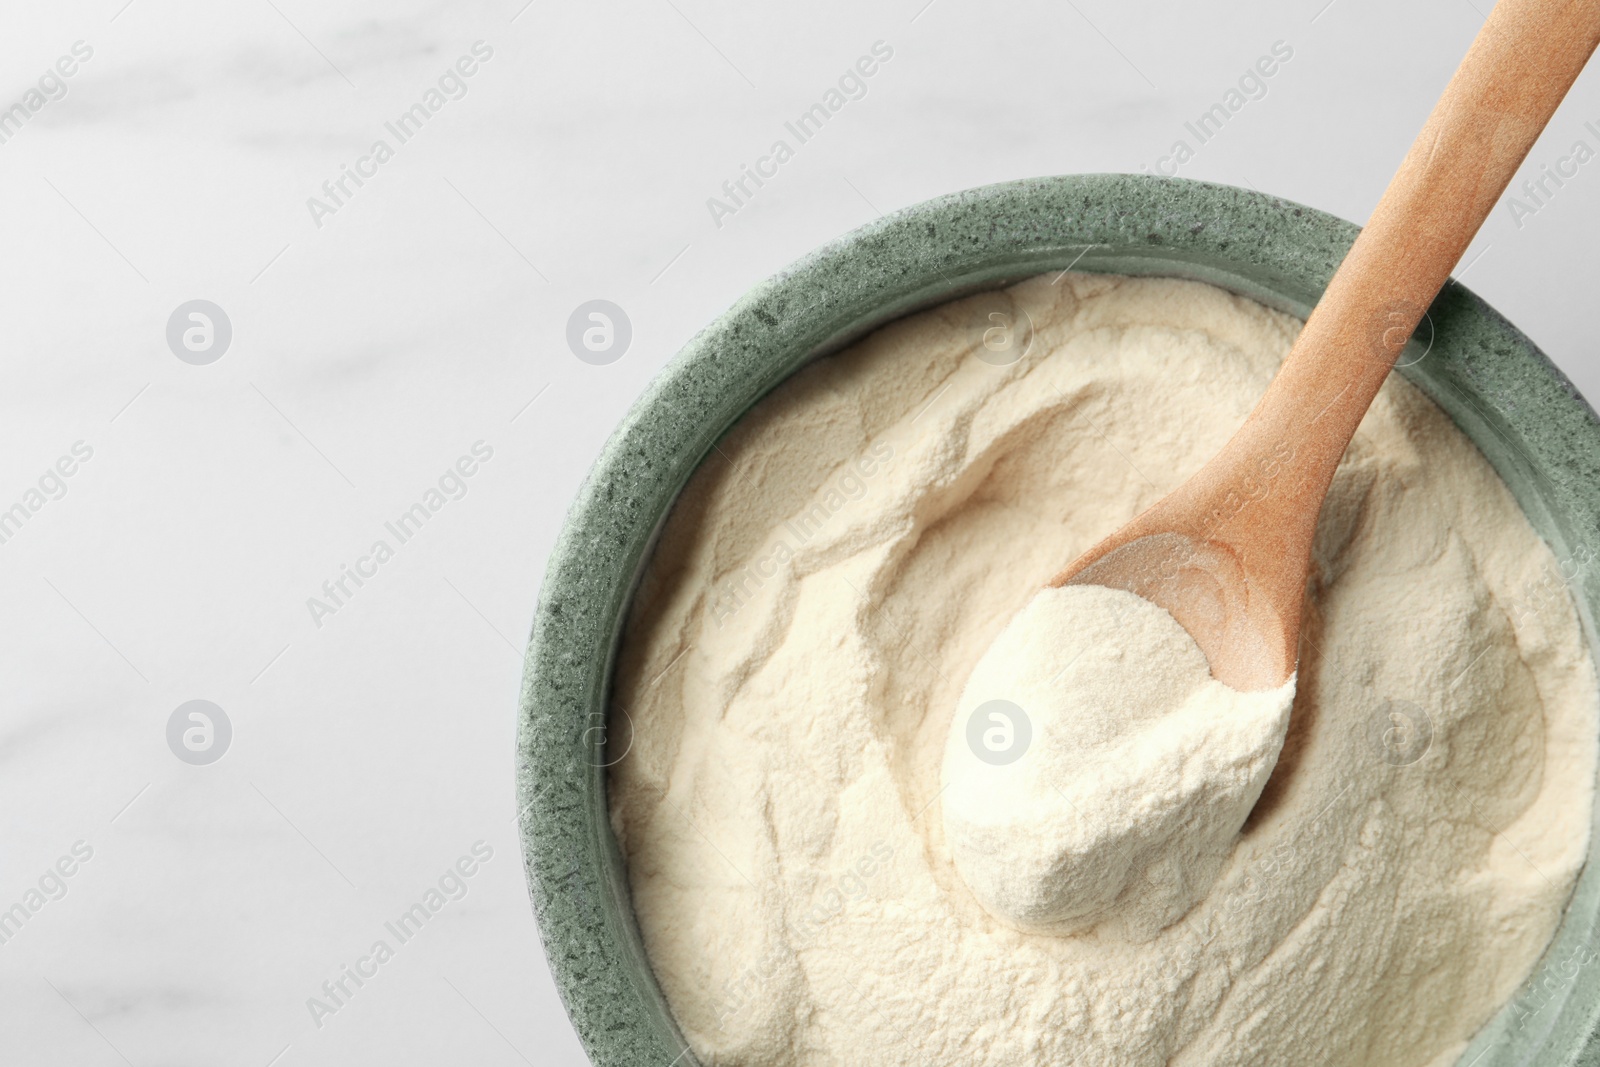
1520	410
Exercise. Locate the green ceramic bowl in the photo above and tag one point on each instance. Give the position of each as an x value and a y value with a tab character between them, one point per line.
1519	409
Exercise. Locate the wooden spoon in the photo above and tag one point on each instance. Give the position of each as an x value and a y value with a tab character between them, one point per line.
1227	552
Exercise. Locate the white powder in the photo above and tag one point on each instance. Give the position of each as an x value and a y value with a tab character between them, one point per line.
821	597
1096	772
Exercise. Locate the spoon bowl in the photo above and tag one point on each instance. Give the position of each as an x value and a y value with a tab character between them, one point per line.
1204	586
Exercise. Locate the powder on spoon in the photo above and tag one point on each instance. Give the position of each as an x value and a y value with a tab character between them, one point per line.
1096	771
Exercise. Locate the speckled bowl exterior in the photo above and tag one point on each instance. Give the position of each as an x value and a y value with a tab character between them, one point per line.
1519	409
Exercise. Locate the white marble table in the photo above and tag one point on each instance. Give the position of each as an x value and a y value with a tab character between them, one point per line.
374	344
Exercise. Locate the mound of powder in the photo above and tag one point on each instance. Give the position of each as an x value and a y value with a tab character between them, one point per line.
823	592
1095	771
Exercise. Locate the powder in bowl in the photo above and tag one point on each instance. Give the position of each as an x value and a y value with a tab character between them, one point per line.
826	586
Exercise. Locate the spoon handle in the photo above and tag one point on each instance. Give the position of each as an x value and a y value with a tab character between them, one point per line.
1525	58
1520	66
1244	523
